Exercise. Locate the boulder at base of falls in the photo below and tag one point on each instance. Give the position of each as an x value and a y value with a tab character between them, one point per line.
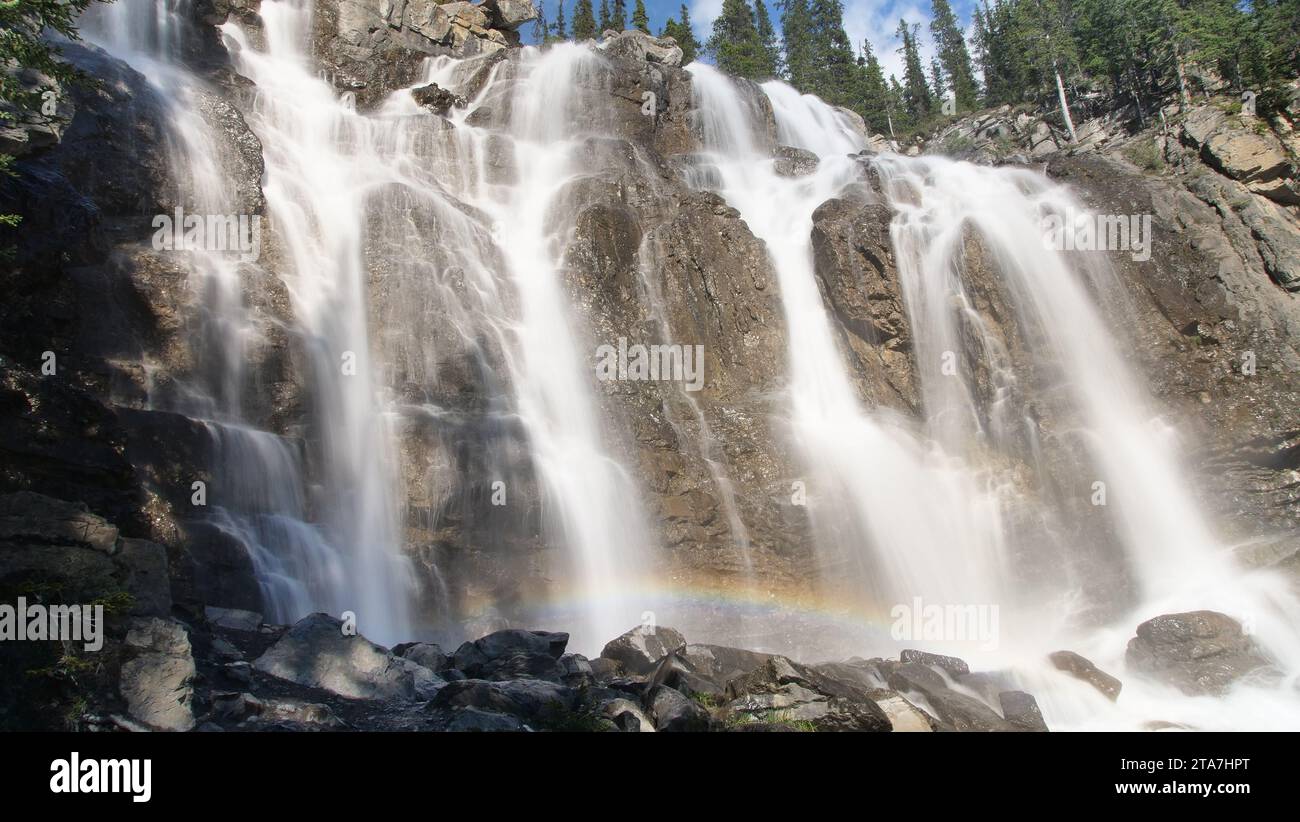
317	653
785	692
157	682
514	653
427	654
1200	652
627	715
525	699
1082	668
674	711
1021	710
641	648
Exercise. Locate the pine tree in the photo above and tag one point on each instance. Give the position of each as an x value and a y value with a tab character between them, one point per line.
690	46
618	16
833	66
640	20
917	100
796	31
873	93
1047	45
559	32
767	37
953	55
603	24
735	43
584	22
937	86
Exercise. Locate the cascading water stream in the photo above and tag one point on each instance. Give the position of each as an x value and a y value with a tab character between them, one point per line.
925	505
593	500
325	164
260	496
935	524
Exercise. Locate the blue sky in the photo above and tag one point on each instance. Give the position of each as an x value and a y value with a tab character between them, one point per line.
874	20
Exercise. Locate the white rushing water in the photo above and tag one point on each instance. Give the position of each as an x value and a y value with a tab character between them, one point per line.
926	512
348	557
325	164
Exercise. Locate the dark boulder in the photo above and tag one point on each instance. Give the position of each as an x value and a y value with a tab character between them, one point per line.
1082	668
1200	652
513	653
674	711
1021	710
436	98
784	691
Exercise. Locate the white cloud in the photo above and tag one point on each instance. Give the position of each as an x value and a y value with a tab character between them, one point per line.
703	13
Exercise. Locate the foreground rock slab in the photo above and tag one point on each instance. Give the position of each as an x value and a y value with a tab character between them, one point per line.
316	652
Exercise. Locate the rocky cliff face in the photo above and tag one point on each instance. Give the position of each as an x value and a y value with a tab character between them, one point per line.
649	258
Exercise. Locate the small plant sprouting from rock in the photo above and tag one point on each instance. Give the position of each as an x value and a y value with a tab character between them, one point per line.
1145	155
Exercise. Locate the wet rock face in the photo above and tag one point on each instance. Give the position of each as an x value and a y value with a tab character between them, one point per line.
856	270
1201	652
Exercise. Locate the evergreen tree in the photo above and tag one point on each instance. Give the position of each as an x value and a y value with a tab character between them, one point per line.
873	93
917	100
618	16
953	55
796	32
560	33
690	46
1046	44
767	37
603	24
937	86
584	22
735	44
640	20
833	75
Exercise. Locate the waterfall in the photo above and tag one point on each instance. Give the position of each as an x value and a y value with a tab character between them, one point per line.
590	497
928	511
348	557
426	254
499	224
871	478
